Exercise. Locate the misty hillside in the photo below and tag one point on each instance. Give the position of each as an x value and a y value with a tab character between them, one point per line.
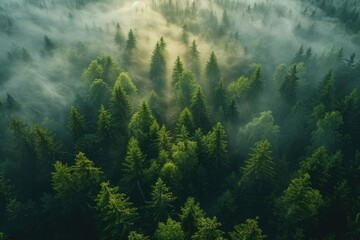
173	119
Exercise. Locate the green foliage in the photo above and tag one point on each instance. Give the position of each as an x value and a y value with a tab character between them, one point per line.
133	166
240	89
260	166
158	65
212	72
327	132
320	165
199	110
136	236
178	69
115	212
131	40
120	106
104	67
140	124
99	92
300	202
184	88
208	229
105	127
260	128
216	149
190	217
76	123
171	230
249	230
287	88
186	120
161	201
127	84
78	184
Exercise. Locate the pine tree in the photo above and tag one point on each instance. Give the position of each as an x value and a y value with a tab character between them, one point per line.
190	217
186	120
118	36
115	212
131	40
105	128
326	91
212	72
288	86
133	166
208	229
120	107
199	110
161	201
177	71
171	230
248	230
184	88
157	72
260	166
76	123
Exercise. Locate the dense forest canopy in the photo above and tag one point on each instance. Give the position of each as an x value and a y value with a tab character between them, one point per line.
170	119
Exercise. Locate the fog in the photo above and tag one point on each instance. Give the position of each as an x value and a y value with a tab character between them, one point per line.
267	32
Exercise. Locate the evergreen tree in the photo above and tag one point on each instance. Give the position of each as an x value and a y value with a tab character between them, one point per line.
299	203
256	85
133	166
171	230
199	110
131	40
76	123
105	128
161	201
216	151
288	86
158	66
120	107
137	236
127	84
190	217
177	71
325	93
212	72
139	126
184	88
260	166
248	231
115	212
76	186
118	35
186	120
208	229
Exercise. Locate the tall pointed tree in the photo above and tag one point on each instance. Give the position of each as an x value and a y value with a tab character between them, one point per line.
157	72
161	201
248	230
212	72
288	87
76	123
131	40
120	107
177	71
115	212
199	110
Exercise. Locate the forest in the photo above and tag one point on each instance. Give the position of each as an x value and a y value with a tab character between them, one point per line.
180	119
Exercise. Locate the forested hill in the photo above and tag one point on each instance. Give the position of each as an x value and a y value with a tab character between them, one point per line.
171	120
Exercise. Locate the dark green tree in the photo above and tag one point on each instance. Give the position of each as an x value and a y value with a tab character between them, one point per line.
131	40
184	88
115	212
177	71
157	72
190	216
171	230
212	72
287	88
208	229
249	230
120	107
186	120
161	201
76	123
199	110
